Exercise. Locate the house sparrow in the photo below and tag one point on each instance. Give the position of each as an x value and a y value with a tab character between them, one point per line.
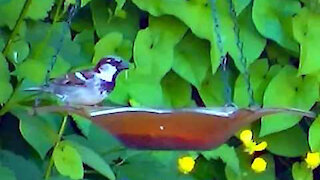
88	87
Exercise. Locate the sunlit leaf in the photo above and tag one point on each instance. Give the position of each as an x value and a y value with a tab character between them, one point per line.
300	171
306	28
112	44
198	16
27	70
154	46
10	10
260	76
105	22
176	90
273	19
212	90
94	160
288	90
39	9
82	123
120	94
145	89
192	59
68	161
314	135
18	52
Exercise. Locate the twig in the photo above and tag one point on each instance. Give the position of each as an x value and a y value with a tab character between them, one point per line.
51	161
16	27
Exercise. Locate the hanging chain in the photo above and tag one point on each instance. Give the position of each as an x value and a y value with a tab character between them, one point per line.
71	14
243	59
223	58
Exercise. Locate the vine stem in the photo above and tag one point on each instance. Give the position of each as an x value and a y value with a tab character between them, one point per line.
17	26
57	14
51	161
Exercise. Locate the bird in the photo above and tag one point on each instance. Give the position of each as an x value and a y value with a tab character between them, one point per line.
88	87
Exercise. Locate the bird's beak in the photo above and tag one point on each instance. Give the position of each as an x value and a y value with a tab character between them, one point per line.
123	65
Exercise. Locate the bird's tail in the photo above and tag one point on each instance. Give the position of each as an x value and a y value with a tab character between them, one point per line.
44	88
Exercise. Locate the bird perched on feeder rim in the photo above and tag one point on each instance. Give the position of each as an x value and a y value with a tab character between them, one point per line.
87	87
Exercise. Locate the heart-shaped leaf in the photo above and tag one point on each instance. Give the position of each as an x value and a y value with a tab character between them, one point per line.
314	135
68	161
273	19
306	28
112	44
288	90
192	59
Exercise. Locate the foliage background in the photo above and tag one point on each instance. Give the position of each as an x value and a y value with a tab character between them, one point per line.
175	60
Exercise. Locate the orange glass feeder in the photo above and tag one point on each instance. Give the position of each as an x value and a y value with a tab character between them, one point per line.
182	129
173	129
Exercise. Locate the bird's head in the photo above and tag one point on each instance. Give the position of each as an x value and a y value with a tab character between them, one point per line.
109	67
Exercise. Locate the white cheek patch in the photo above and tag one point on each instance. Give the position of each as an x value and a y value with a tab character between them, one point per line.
107	72
80	76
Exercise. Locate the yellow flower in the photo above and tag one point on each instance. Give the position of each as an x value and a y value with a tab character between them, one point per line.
186	164
313	160
250	145
259	165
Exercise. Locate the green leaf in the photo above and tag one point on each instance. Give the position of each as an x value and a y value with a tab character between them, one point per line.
240	5
176	90
145	89
278	143
112	44
6	173
94	160
288	90
10	10
253	42
38	10
82	123
192	59
154	46
245	167
22	168
300	171
260	76
157	165
68	161
273	19
37	132
306	28
198	16
105	22
212	90
86	41
18	51
314	135
4	80
227	154
120	94
27	70
277	54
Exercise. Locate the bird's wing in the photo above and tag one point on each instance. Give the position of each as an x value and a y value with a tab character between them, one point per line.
75	79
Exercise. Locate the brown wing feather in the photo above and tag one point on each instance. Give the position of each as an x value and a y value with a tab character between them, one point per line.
72	79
